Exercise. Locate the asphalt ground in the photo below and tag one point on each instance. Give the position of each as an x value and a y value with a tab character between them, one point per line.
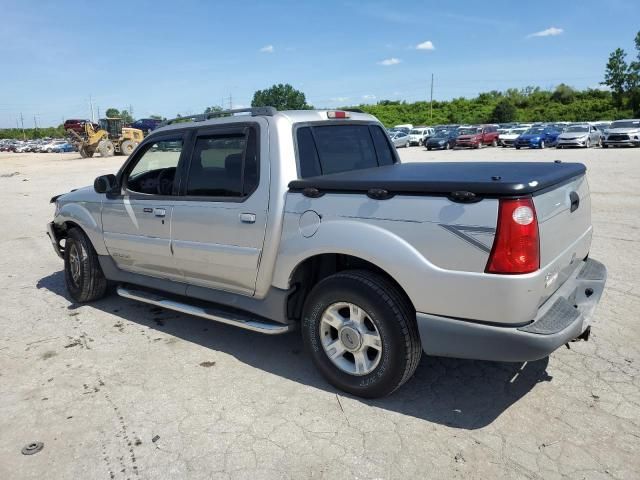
119	389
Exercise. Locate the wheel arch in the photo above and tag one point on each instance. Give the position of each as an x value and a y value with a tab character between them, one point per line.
310	271
74	215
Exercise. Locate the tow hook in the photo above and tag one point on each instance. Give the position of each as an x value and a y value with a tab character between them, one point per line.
583	336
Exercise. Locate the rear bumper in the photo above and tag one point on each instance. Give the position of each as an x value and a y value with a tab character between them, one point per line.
562	318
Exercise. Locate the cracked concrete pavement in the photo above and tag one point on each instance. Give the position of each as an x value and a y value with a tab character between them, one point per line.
120	390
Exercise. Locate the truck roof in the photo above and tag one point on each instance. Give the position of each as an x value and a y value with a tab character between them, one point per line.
293	116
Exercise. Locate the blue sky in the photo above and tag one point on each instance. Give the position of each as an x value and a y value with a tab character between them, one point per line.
179	57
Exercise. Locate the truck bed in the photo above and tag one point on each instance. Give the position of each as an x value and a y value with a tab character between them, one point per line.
487	179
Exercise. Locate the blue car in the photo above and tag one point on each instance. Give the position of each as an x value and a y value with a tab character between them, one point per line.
537	137
63	147
146	124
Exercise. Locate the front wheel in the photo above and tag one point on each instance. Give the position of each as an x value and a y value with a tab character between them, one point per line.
494	143
361	333
588	144
542	144
106	148
82	272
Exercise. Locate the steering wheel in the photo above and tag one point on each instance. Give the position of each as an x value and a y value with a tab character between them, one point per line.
165	181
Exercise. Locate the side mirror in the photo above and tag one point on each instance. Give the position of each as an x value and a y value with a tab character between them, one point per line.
104	183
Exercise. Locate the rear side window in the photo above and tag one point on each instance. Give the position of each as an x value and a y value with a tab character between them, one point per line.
223	166
323	150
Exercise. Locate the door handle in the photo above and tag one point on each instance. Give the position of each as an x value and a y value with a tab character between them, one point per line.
574	198
159	212
248	217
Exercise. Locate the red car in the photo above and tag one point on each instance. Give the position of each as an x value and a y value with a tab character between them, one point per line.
475	137
77	125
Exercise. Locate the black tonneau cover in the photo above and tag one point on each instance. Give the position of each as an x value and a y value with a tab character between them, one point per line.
488	179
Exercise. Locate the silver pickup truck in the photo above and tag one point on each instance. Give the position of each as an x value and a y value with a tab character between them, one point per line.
272	221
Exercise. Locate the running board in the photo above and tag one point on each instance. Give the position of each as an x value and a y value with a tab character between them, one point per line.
246	321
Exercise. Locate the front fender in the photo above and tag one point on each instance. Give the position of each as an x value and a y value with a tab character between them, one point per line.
87	215
369	242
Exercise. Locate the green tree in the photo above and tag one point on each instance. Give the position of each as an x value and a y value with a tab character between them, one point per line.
504	112
112	113
282	97
126	116
633	80
563	94
616	76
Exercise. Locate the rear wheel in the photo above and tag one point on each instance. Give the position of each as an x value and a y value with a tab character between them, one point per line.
361	333
106	148
82	273
127	147
494	143
588	144
447	146
85	152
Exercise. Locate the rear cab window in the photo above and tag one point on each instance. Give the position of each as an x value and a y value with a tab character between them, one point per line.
327	149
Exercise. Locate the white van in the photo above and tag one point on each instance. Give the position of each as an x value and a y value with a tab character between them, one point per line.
419	135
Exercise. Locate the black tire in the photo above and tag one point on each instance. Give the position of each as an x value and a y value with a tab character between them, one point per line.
447	146
542	145
517	147
494	143
429	148
89	283
392	315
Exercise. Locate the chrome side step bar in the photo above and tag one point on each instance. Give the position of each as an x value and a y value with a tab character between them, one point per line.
246	321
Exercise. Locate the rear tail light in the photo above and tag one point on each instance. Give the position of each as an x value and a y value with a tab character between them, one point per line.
516	247
337	114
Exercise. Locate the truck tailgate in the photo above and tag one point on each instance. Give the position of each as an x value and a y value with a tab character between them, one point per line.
564	220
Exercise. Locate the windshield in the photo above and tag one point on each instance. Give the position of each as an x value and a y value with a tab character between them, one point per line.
468	131
442	134
626	124
578	128
416	131
518	131
534	131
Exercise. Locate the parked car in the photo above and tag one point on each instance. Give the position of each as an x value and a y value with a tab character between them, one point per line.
76	125
442	140
339	241
509	137
146	124
579	136
537	137
476	137
623	133
64	147
419	135
400	138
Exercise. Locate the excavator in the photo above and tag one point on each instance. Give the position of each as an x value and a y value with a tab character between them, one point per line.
111	138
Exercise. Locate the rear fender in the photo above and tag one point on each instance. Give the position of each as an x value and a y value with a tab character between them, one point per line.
369	242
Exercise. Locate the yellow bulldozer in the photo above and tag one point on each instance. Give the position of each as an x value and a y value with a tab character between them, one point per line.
112	138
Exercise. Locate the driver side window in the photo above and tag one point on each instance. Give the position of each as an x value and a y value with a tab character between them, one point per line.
155	170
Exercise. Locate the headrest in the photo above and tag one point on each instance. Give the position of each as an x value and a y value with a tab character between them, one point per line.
233	164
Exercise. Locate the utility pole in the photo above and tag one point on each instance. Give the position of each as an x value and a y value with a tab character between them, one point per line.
24	137
230	102
35	122
98	112
131	110
93	119
431	102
